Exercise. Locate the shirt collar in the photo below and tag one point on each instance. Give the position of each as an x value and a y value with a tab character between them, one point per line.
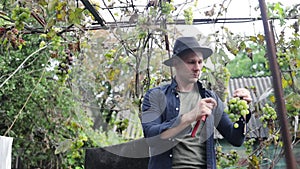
174	84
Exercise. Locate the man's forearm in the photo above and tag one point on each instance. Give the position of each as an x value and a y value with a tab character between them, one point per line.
185	121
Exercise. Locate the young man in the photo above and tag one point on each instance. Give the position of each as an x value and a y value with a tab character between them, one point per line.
170	112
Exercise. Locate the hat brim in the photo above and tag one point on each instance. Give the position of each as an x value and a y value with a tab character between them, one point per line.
206	52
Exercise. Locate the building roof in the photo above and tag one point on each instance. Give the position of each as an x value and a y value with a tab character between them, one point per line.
263	87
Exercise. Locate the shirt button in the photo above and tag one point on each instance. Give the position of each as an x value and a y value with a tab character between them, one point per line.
177	108
171	155
177	95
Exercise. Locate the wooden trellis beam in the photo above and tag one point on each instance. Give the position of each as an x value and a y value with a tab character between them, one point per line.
93	11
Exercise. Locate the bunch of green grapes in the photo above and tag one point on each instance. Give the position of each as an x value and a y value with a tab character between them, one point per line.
188	16
268	114
249	145
64	67
283	60
236	108
167	7
226	75
222	76
228	159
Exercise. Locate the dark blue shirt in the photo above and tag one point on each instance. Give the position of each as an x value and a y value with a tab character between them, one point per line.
160	111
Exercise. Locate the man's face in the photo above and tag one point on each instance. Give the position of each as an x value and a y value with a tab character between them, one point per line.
189	66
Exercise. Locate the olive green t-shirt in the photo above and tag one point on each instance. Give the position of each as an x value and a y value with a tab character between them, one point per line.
190	152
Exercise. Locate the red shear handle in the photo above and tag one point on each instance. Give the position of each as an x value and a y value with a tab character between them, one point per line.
197	126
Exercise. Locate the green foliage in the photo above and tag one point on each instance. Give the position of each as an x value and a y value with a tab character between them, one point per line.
75	16
42	115
276	10
255	67
20	15
37	103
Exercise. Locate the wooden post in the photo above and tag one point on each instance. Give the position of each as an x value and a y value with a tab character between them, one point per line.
277	85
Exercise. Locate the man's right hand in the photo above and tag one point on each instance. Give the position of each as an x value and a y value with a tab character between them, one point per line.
203	108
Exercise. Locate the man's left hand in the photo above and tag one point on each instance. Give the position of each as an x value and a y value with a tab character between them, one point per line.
243	94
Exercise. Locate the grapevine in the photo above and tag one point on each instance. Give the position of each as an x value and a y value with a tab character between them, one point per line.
166	8
268	114
20	15
63	69
222	79
188	16
228	159
283	60
11	37
249	145
236	109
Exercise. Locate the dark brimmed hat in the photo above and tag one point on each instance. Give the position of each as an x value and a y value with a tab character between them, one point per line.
183	44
